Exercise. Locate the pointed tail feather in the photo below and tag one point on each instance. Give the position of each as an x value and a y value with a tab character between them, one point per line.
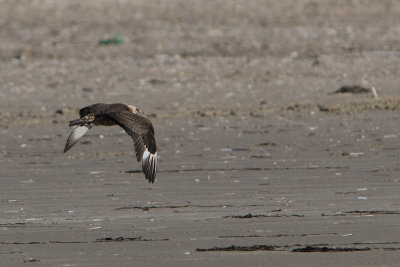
76	122
75	135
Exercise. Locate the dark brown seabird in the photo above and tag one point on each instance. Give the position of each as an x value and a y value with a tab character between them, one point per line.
126	116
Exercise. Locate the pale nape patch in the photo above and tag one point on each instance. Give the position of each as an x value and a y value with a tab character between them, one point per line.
134	109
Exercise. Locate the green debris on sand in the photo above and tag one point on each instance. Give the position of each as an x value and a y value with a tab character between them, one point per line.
116	40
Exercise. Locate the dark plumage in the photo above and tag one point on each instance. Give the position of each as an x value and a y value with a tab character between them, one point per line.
139	128
354	89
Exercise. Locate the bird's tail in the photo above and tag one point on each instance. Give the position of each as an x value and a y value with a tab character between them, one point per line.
76	122
82	125
89	118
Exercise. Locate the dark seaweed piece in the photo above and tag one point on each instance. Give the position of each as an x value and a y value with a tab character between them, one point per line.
354	89
328	249
239	248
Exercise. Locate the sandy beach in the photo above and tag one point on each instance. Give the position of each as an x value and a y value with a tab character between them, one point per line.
259	163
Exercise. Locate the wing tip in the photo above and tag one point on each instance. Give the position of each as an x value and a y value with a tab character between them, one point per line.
149	166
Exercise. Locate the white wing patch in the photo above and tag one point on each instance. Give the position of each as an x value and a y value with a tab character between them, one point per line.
149	165
146	154
75	135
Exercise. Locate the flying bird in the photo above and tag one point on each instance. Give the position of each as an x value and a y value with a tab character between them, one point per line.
127	117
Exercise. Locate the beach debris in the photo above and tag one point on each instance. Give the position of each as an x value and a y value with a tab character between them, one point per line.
249	216
389	136
122	239
344	235
352	154
328	249
95	228
96	172
116	40
87	89
267	144
373	90
356	154
27	181
119	239
355	89
260	156
239	248
157	81
31	260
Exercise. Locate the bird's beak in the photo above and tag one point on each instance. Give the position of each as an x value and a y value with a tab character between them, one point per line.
140	111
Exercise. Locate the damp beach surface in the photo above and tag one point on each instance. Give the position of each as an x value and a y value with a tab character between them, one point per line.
259	163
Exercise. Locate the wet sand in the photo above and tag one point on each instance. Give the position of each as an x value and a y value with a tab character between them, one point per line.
258	164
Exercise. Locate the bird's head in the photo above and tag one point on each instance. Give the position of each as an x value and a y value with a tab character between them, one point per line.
135	110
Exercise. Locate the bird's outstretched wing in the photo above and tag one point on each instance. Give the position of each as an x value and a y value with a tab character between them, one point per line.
142	132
